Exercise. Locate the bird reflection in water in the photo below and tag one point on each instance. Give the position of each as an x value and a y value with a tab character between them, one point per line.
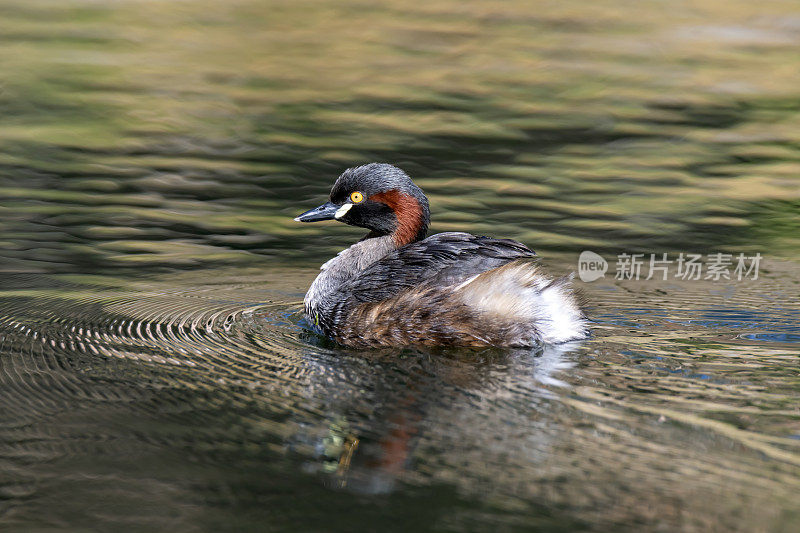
371	458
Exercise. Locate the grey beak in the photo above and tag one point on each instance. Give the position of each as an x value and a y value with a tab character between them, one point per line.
326	211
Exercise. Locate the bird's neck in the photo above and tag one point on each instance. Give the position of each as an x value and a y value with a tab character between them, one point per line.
411	221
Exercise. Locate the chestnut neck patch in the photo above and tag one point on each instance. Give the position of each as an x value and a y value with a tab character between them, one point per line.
410	218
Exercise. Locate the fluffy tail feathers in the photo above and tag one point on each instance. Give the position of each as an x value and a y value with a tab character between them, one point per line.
547	310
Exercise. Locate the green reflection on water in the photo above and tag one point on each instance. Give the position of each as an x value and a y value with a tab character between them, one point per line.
161	134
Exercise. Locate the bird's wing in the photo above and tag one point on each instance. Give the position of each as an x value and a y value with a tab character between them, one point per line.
442	259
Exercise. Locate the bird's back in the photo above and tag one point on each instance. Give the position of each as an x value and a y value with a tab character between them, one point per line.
454	289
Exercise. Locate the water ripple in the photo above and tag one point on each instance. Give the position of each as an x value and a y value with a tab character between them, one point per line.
155	368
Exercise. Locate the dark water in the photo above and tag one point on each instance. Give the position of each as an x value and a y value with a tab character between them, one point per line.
154	366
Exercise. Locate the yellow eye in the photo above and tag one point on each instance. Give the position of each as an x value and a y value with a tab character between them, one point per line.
356	197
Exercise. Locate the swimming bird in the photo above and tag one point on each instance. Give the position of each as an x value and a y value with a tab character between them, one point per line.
395	287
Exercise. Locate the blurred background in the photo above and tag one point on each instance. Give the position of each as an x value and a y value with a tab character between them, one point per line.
156	372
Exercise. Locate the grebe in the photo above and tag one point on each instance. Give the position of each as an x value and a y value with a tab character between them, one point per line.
394	287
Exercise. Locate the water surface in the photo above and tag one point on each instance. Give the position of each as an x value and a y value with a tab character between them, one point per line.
156	372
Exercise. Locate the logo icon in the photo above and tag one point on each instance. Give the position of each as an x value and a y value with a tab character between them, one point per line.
591	266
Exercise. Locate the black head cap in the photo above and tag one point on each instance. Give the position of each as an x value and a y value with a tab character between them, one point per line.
376	178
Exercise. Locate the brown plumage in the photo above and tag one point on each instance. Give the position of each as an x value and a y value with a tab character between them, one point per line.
434	316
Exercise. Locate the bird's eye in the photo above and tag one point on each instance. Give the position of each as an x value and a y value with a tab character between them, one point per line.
356	197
